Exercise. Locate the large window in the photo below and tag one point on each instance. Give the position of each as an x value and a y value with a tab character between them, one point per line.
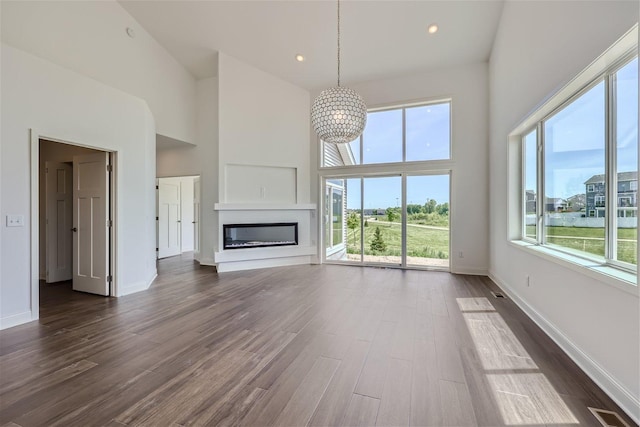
414	133
580	171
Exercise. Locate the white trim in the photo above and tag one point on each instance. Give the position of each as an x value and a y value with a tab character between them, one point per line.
209	262
470	271
16	319
263	263
137	287
263	253
35	227
263	206
623	397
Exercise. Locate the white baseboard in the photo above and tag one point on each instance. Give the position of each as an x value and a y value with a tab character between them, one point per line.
629	403
471	271
15	320
262	263
207	261
137	287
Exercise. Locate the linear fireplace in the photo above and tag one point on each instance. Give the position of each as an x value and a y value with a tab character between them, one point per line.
240	236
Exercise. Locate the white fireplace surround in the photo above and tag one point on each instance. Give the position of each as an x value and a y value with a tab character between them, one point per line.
249	213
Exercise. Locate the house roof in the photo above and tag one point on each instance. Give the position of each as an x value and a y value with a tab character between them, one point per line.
622	176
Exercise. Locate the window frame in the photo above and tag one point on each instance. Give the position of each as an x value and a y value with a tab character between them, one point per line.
607	76
403	107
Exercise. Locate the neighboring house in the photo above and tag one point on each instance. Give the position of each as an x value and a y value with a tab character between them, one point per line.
555	204
530	201
577	202
336	201
627	195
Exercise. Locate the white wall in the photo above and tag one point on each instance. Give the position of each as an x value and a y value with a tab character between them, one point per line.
468	88
64	105
90	38
539	47
200	160
51	152
264	121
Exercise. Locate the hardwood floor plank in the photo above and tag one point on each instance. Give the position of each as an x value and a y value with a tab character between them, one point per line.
305	399
374	372
457	409
13	395
333	405
425	382
362	411
395	405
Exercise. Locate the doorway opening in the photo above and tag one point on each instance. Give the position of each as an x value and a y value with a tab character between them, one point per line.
178	216
75	220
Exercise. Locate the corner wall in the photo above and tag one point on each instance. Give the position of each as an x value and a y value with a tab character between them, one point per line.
539	47
61	104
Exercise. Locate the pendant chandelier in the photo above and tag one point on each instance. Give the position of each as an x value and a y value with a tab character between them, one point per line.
338	114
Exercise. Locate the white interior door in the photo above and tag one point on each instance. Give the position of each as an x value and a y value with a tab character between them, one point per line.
59	218
169	227
90	216
196	217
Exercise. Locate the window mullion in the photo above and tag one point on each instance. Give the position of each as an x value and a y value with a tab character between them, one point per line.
611	188
540	198
361	217
404	134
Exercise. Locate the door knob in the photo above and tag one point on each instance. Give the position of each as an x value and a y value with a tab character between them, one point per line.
74	229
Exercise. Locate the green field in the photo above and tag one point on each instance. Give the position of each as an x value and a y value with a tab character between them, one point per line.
591	240
421	242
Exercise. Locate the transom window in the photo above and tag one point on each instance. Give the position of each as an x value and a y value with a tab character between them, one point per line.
411	133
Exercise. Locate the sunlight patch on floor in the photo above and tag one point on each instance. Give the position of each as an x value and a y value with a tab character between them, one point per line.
529	399
523	396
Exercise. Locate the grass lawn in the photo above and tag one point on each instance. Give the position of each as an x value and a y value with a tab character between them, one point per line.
421	242
591	240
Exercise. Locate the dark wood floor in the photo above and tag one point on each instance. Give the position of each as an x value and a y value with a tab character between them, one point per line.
305	345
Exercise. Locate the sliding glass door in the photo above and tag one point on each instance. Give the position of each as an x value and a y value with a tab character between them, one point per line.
427	221
400	220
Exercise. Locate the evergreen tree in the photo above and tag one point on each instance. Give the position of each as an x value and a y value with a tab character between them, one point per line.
378	244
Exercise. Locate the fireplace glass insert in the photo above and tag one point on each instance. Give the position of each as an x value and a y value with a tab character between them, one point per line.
239	236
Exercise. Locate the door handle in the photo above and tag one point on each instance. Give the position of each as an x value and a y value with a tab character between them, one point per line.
74	229
178	221
193	222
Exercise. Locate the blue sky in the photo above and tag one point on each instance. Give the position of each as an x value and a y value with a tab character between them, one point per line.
574	137
384	192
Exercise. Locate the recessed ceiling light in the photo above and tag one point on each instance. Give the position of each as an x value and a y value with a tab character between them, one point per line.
299	58
432	29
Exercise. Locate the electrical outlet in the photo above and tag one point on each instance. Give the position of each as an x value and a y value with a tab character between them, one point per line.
15	220
460	254
528	281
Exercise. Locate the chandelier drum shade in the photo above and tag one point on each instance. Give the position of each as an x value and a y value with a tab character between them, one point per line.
338	114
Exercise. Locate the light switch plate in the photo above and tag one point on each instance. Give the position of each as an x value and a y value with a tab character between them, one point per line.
15	220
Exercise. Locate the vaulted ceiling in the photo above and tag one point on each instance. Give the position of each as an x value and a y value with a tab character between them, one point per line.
379	38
